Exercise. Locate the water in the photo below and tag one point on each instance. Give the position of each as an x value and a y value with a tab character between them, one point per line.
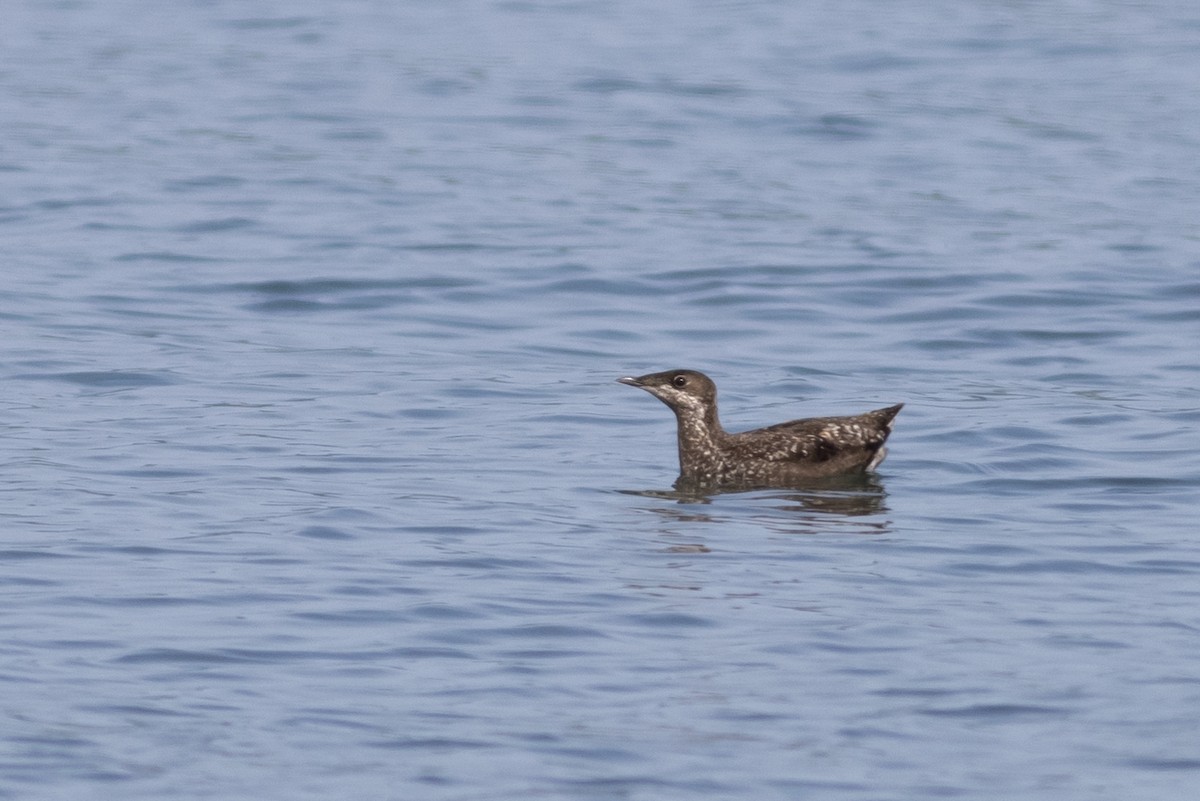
317	483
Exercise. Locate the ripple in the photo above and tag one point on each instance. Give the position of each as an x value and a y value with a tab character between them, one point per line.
107	379
994	712
166	256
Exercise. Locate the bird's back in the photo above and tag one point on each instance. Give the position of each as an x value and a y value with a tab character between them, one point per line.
809	448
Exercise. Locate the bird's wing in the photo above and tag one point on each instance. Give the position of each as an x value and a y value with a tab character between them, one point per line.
816	439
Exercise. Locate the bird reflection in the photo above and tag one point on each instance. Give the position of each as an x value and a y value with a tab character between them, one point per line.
845	503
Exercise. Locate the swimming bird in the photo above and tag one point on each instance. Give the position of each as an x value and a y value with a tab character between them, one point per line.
776	456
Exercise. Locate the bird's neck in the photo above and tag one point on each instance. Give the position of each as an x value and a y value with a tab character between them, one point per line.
700	436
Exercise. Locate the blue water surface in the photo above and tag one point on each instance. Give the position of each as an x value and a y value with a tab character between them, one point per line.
316	483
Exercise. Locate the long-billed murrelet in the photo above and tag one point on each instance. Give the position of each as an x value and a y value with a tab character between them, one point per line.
778	455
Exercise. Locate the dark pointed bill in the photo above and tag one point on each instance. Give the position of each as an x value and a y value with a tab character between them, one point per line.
630	380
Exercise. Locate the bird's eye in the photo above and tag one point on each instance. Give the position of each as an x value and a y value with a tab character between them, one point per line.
679	381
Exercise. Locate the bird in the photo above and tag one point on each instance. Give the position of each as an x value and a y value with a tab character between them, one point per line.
782	455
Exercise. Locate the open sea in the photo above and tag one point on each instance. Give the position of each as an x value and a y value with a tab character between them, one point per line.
316	483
